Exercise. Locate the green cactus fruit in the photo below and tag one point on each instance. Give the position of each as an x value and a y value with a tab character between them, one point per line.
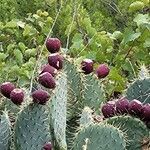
139	90
5	133
99	137
32	128
58	111
136	130
92	92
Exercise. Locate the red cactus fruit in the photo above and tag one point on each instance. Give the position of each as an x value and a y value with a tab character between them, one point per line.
17	96
47	146
135	107
47	80
102	71
122	106
40	96
55	60
108	109
146	112
53	45
6	89
87	66
49	69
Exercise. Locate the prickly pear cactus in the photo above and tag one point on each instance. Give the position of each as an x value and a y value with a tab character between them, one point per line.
140	89
5	133
99	137
32	128
92	92
58	111
137	132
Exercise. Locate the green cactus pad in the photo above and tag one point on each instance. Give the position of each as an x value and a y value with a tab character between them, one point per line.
99	137
58	111
32	128
86	117
5	133
136	130
92	92
140	90
74	89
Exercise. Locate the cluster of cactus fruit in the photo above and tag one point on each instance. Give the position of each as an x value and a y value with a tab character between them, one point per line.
63	113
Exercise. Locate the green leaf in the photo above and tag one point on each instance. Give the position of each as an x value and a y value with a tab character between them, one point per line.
18	56
129	36
147	43
11	24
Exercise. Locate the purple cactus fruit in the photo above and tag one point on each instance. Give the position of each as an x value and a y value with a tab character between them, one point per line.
122	106
40	96
146	112
6	89
47	80
87	66
17	96
53	45
102	71
55	60
108	109
135	107
47	146
49	69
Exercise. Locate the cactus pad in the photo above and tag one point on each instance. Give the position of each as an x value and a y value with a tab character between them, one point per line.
135	129
5	133
140	90
32	128
99	137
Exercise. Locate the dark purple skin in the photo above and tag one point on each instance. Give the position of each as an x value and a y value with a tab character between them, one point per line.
87	66
102	71
135	108
146	113
47	146
47	80
17	96
49	69
40	96
56	60
122	106
108	109
6	89
53	45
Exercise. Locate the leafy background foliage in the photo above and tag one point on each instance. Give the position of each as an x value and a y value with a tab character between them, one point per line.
116	32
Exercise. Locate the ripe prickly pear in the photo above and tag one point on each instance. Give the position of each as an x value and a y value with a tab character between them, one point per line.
135	107
53	45
146	112
102	71
87	66
55	60
40	96
47	146
47	80
49	69
6	89
122	106
108	109
17	96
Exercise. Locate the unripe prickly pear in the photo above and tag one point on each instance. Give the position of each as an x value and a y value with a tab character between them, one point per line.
47	146
55	60
102	71
49	69
47	80
87	66
40	96
53	45
122	106
135	107
146	112
108	109
17	96
6	89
